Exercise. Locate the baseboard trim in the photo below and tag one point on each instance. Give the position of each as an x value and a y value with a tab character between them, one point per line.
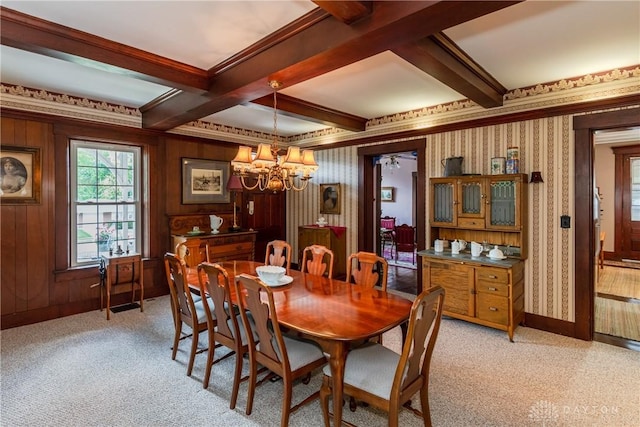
617	341
548	324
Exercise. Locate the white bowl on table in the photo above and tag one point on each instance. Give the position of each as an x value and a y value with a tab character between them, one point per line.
270	274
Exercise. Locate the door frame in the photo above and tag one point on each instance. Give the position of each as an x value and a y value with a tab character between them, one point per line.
620	197
585	240
367	186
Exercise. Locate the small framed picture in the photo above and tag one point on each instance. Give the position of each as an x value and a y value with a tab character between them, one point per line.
330	198
20	175
204	181
387	194
498	165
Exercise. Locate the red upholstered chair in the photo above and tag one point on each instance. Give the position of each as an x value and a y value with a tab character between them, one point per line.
406	240
387	236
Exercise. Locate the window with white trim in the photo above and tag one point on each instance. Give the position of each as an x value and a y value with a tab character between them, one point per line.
105	200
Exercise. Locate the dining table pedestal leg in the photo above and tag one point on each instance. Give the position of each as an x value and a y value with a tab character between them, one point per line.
337	351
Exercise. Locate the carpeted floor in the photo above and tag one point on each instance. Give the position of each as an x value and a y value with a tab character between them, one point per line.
84	371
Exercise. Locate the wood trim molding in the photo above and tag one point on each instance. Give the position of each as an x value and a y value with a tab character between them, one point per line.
584	127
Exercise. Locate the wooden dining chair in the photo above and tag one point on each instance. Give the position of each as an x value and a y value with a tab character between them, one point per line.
398	377
406	240
367	269
321	261
278	253
186	309
224	323
284	356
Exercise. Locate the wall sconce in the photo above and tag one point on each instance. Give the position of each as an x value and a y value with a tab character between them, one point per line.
536	177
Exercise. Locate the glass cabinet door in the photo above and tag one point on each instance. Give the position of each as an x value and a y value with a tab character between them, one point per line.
443	202
471	195
504	201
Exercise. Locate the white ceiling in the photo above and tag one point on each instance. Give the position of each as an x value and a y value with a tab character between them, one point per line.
521	45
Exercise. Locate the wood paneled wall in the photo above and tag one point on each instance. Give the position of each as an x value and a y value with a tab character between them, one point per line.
37	282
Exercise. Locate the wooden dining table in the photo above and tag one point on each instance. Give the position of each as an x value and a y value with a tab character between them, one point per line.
333	313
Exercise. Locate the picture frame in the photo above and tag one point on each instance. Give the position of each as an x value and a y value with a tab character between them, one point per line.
330	199
204	181
20	175
387	194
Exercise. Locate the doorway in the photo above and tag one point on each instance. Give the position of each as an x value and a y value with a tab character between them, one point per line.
397	202
585	232
369	172
617	299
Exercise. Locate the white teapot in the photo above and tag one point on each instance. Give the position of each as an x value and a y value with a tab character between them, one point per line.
216	222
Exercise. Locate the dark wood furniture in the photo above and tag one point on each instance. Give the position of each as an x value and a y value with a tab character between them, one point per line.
123	270
405	240
222	247
331	312
334	238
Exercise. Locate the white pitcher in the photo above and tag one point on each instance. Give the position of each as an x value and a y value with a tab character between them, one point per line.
455	247
476	249
216	222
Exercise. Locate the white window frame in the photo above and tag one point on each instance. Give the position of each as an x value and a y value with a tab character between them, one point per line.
136	201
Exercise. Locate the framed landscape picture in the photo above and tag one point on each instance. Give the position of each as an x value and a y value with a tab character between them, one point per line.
204	181
20	175
387	194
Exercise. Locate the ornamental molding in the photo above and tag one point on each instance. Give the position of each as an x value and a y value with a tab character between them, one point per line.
613	83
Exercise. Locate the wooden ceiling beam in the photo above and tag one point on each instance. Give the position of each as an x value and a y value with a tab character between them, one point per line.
346	11
300	109
438	56
36	35
323	45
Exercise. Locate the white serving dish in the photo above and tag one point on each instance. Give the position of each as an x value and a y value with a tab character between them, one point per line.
270	274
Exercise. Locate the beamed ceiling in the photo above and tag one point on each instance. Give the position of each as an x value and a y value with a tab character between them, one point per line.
334	59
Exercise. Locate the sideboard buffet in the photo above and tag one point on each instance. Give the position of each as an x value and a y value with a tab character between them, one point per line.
488	209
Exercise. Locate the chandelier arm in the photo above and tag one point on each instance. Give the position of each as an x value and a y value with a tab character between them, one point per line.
248	187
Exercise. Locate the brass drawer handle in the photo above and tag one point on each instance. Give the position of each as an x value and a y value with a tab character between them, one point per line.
493	277
493	309
492	289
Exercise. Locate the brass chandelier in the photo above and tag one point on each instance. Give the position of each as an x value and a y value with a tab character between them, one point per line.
270	171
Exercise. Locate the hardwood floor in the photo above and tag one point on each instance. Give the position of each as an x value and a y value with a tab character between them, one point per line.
617	305
403	279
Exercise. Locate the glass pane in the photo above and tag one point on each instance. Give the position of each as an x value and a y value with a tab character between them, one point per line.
471	198
443	202
635	189
86	157
503	203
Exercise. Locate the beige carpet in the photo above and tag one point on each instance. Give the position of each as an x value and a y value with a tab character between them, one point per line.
85	371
